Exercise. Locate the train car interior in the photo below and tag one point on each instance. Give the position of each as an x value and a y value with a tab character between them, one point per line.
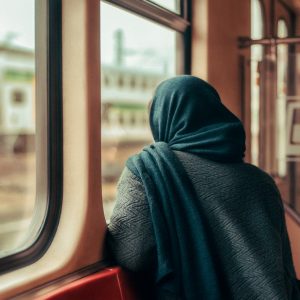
76	78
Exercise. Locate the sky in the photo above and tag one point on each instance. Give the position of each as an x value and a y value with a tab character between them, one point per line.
17	16
152	46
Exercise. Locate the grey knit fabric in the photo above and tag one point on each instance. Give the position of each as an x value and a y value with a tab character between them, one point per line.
245	213
130	230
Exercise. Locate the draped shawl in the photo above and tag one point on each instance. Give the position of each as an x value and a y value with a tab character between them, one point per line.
186	115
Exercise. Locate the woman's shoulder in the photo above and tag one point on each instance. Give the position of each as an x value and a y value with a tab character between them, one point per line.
128	177
195	161
261	175
241	177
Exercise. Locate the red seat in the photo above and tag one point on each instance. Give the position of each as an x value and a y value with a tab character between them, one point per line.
109	284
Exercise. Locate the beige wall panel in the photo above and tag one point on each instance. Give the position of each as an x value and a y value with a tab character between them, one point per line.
199	38
228	20
215	52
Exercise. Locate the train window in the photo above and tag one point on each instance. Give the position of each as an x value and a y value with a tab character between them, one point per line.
257	51
27	216
140	63
17	126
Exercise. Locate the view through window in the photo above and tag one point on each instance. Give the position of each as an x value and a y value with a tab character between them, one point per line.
136	54
17	122
275	124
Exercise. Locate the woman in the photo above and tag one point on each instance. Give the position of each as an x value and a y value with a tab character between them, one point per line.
191	214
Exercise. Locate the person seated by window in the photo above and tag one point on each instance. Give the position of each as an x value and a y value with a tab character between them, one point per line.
191	214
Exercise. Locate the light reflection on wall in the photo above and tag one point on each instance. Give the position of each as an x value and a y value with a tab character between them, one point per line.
282	93
257	31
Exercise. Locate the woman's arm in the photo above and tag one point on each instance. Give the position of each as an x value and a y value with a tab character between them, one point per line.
130	234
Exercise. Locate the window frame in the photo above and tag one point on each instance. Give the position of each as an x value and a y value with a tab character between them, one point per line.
49	138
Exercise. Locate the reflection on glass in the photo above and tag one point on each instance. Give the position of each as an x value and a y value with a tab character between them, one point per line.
173	5
136	55
17	122
282	68
256	59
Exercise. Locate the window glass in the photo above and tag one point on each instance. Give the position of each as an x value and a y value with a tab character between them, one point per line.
173	5
17	122
257	31
136	54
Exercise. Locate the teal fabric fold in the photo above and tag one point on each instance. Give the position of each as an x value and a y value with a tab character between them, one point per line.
186	115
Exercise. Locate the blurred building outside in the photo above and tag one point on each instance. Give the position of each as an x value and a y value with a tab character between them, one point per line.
17	134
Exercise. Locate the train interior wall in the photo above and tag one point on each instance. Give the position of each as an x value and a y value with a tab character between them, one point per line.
215	56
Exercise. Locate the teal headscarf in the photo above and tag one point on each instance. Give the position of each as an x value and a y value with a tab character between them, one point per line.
186	115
